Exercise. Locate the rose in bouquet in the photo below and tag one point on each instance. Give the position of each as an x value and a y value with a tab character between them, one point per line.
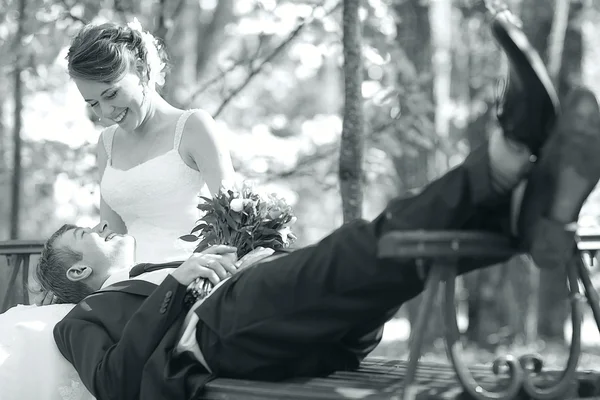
254	223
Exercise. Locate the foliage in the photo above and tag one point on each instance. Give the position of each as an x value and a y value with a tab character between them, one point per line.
244	219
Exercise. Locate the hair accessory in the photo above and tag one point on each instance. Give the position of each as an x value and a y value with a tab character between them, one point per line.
156	66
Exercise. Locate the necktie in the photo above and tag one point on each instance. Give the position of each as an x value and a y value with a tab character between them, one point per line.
139	269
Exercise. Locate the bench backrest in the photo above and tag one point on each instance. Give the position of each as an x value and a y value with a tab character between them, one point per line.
17	254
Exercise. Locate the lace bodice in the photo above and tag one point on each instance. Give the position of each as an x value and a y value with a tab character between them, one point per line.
156	199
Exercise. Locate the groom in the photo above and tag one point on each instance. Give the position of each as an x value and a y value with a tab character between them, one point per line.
320	308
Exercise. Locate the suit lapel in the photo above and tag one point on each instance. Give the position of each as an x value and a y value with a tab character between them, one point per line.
133	286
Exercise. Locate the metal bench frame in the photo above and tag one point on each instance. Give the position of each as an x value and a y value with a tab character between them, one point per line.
442	251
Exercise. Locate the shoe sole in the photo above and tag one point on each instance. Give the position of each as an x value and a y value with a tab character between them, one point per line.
580	106
517	46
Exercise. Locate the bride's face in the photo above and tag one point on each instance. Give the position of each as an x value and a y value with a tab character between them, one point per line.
122	102
103	252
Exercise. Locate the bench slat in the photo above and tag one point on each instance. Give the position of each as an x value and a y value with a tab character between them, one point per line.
11	247
377	379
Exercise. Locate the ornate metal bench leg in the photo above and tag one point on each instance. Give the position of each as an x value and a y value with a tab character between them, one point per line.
590	291
559	389
416	334
455	351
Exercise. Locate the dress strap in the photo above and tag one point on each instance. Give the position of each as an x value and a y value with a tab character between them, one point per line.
179	127
108	136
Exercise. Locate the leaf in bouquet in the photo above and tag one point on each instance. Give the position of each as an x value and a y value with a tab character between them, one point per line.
226	236
207	241
272	224
230	221
189	238
203	229
209	219
221	208
207	200
201	226
205	207
237	217
269	231
262	209
273	243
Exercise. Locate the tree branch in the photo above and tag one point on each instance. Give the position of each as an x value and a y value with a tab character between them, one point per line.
221	75
556	41
161	25
324	153
67	12
178	9
256	70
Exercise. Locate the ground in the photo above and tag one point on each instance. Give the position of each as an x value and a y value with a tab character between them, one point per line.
395	345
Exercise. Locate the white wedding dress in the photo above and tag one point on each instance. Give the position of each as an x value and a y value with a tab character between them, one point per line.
157	201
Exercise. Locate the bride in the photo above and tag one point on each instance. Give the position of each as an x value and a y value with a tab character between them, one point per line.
154	161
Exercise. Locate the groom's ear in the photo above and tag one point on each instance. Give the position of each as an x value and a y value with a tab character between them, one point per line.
78	272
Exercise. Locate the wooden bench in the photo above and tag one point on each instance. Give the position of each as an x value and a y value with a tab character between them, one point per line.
377	378
18	254
382	378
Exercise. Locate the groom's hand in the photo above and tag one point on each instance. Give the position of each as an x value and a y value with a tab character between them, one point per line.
215	263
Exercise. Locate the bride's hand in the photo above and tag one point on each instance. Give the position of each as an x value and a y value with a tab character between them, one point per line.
254	257
45	298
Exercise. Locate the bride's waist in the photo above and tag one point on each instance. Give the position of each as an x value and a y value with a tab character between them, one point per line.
166	231
158	250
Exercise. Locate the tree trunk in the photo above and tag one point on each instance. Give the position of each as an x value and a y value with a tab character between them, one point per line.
477	283
492	295
179	39
160	29
18	99
414	37
537	19
208	35
352	142
441	39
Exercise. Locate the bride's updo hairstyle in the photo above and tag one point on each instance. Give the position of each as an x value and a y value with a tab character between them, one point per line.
105	53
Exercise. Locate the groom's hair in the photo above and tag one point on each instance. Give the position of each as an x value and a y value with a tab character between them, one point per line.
51	271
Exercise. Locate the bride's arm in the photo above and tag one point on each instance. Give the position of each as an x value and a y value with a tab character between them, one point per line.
202	143
112	369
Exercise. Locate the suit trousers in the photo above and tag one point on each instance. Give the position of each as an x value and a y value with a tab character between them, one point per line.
322	308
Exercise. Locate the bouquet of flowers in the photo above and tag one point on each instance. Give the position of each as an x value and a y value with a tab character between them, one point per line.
242	218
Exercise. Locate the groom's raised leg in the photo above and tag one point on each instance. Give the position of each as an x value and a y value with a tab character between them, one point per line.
529	105
307	313
304	313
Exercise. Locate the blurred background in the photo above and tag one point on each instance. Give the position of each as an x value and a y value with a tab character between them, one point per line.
271	72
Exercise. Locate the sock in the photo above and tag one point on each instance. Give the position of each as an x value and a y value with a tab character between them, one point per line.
509	162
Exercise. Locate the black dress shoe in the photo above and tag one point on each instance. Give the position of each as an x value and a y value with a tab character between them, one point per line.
529	105
559	183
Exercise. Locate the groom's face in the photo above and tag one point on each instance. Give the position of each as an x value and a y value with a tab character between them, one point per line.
102	252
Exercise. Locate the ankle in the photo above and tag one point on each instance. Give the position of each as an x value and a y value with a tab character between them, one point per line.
510	162
571	192
553	244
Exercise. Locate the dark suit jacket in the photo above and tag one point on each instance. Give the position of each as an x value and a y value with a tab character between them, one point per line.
120	341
